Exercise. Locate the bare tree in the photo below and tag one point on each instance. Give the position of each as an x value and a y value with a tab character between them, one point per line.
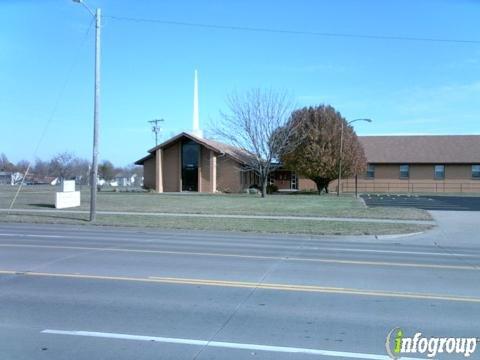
41	167
5	164
81	170
61	166
22	166
253	123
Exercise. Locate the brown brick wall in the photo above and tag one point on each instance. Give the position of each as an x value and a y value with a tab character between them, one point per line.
422	179
171	168
149	173
458	172
205	184
306	185
228	175
424	171
282	179
387	171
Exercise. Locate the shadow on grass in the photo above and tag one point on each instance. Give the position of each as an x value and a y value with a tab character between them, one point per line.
33	217
49	206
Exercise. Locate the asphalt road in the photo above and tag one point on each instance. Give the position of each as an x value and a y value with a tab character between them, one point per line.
448	203
100	293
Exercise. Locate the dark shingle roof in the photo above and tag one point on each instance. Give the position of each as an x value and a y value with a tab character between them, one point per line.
393	149
441	149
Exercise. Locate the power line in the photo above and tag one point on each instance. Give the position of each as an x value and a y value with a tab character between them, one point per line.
292	32
54	109
156	128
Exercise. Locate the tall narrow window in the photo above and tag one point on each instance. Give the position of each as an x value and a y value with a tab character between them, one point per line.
404	171
476	171
439	172
293	181
190	155
370	171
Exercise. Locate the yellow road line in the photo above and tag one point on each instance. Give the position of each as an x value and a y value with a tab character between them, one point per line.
258	257
250	285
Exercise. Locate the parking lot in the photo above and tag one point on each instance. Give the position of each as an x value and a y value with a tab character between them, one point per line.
459	203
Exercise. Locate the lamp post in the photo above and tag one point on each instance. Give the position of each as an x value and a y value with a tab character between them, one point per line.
341	152
96	112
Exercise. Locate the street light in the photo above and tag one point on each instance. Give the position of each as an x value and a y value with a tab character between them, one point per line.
341	152
96	112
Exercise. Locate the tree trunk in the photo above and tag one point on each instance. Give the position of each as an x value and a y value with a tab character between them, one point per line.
264	188
321	184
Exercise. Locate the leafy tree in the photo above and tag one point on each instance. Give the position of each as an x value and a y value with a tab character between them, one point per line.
106	170
317	154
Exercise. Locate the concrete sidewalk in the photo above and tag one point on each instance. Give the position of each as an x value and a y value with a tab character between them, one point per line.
229	216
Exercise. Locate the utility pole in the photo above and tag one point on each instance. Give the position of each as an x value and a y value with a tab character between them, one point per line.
156	128
340	161
96	112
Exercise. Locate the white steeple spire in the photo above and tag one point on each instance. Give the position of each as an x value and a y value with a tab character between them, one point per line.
196	116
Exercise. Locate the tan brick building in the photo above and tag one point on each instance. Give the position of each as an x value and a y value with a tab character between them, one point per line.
188	162
420	163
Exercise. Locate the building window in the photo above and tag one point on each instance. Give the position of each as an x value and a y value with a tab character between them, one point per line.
370	171
476	171
271	179
439	172
190	157
404	171
293	181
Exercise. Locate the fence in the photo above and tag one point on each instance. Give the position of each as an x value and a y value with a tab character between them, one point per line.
348	185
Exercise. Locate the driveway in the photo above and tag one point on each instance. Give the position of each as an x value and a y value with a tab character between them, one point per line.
441	203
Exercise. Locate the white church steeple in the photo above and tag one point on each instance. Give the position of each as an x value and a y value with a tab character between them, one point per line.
196	116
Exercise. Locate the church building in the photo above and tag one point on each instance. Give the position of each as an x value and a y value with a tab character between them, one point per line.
416	163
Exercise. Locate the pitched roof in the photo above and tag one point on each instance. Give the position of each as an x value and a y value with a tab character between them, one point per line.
235	153
142	160
238	154
441	149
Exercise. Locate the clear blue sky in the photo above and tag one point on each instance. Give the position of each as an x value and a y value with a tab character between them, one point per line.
147	69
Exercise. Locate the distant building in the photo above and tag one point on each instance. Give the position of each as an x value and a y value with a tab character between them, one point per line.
6	178
126	180
10	178
428	163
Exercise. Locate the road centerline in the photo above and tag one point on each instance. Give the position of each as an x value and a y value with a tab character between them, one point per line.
265	286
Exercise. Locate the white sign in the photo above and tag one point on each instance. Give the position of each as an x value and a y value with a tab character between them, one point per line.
68	185
67	199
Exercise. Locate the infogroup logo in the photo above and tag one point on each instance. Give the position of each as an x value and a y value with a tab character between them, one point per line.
397	344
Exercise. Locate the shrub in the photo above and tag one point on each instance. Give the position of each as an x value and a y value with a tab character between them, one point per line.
272	188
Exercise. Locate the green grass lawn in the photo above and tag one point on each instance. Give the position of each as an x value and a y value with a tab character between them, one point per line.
42	197
214	224
38	197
